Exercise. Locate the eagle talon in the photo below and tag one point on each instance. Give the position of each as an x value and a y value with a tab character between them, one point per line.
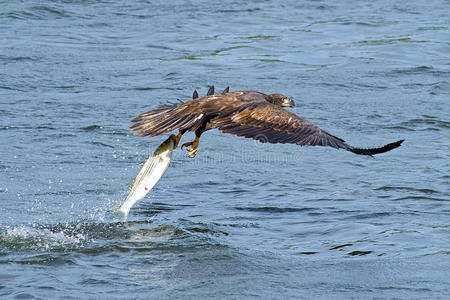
176	139
187	144
191	152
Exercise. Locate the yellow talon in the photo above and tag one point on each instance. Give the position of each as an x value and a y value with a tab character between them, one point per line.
176	139
194	146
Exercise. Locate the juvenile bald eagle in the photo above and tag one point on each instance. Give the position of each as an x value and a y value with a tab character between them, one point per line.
250	114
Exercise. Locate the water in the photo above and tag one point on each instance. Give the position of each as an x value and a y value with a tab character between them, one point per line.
241	220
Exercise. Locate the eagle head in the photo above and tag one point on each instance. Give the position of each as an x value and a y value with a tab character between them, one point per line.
280	100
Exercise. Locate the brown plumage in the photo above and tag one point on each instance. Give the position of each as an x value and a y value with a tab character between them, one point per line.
250	114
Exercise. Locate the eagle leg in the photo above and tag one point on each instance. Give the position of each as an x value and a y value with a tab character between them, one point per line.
194	144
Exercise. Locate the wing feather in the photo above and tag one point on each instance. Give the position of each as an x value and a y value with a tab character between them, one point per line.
270	123
266	122
189	115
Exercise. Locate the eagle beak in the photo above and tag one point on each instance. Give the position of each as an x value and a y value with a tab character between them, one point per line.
287	102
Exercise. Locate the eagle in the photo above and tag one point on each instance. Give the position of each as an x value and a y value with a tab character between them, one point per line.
246	113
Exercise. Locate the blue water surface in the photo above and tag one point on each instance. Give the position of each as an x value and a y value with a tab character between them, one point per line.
242	219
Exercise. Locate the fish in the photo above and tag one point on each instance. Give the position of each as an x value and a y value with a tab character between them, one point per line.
152	171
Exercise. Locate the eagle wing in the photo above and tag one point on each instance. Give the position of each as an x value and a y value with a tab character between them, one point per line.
267	122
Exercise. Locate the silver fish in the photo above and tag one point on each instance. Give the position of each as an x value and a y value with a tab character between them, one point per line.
152	171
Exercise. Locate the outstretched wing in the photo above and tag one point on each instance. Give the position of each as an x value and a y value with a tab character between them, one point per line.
270	123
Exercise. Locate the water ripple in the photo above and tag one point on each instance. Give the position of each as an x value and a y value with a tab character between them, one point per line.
267	209
40	12
405	188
